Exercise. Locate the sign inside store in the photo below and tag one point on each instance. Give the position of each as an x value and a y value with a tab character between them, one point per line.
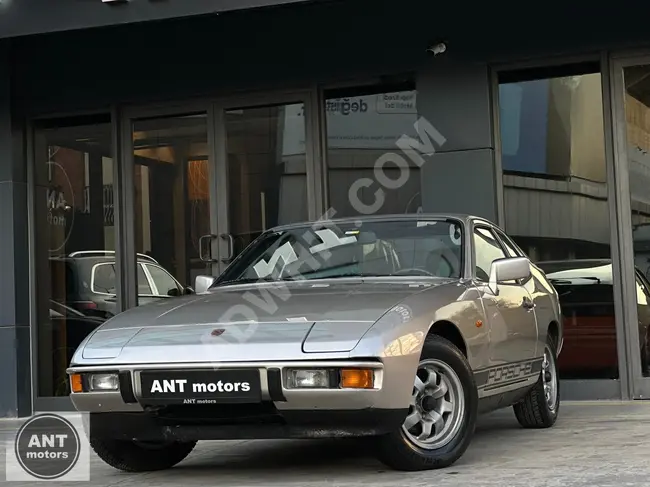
56	206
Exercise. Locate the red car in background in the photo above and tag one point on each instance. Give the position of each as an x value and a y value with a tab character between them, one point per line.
586	295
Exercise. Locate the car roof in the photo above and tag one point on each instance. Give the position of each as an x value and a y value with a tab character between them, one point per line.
464	217
100	256
578	270
562	265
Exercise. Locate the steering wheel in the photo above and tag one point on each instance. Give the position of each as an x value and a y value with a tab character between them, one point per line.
418	271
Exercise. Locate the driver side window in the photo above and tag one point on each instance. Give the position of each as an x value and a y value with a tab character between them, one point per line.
486	251
508	244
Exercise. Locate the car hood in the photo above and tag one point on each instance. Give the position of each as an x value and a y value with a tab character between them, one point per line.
268	321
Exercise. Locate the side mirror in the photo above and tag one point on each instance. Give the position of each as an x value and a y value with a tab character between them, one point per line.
202	283
509	269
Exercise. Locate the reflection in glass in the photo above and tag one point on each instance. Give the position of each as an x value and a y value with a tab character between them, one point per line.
370	249
637	112
267	180
75	241
555	201
172	209
586	295
361	128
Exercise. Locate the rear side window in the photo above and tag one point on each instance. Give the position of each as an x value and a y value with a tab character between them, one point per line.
143	282
104	279
162	280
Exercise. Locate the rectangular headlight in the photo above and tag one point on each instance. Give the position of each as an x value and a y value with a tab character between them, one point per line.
103	382
308	379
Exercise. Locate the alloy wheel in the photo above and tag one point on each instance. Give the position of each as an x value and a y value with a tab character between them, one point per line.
549	379
437	406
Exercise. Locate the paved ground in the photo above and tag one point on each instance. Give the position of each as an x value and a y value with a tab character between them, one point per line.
593	444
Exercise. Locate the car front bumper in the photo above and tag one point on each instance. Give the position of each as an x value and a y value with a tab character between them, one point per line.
391	388
268	424
282	412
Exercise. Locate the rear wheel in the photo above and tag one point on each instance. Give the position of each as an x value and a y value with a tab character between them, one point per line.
134	456
540	407
442	415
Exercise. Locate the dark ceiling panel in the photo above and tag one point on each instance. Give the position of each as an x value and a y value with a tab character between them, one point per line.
26	17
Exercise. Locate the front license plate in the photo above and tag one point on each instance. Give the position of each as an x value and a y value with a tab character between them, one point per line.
200	386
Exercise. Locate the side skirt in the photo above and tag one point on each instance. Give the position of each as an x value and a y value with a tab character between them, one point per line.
507	380
499	401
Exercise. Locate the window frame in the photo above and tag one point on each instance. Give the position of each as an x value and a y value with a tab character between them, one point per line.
487	227
152	282
507	241
93	272
236	267
147	277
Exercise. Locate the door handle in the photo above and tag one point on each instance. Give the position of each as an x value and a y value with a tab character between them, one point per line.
231	246
206	238
527	303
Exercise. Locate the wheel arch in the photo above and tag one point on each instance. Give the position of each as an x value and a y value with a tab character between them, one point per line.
553	332
449	331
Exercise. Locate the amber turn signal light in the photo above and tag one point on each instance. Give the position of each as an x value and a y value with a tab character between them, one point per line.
357	378
76	384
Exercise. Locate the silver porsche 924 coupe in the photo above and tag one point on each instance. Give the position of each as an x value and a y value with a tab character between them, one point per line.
403	328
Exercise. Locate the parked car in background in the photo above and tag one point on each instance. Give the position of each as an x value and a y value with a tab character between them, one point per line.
90	280
586	292
403	328
641	241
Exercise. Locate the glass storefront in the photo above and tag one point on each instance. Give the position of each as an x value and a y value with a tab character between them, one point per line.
231	171
637	148
260	155
555	193
363	126
75	240
172	210
267	172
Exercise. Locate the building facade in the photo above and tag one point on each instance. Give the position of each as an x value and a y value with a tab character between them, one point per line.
143	142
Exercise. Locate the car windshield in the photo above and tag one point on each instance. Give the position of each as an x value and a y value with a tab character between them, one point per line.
577	272
407	247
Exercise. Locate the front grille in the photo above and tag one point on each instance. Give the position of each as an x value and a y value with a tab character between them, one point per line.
264	412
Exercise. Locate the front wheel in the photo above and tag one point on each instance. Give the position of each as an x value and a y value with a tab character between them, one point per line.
540	407
134	456
442	414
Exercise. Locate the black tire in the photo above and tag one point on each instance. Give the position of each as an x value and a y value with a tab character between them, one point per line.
533	411
398	452
130	456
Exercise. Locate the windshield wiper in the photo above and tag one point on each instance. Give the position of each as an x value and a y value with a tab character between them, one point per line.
571	280
250	280
336	276
300	277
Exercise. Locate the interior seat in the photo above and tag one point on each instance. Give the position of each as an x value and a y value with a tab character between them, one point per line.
443	262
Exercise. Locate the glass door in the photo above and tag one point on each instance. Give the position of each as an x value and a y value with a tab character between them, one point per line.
264	163
174	203
631	110
73	229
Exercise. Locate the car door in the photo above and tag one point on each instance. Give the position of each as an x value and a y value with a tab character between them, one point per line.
513	327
